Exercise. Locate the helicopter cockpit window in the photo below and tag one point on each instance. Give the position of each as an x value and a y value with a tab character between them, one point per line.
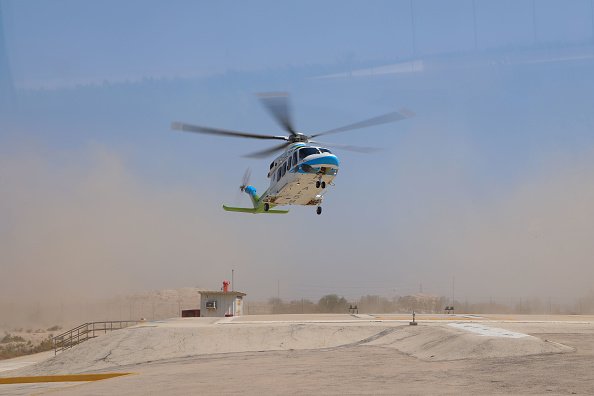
272	165
323	150
295	157
307	151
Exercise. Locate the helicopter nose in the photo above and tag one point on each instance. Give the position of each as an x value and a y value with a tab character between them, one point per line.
325	159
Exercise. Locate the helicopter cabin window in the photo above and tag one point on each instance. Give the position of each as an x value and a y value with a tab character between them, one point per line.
278	174
307	151
323	150
295	157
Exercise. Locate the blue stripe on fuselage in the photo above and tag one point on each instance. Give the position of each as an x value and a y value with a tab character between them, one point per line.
325	160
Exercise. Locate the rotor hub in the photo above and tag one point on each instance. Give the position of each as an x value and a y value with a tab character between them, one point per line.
298	138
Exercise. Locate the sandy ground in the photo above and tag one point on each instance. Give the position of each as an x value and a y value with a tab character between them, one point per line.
24	361
332	354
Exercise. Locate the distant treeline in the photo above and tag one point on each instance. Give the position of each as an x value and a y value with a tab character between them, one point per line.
332	303
420	303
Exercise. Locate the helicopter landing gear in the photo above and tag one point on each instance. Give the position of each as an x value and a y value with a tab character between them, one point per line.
319	210
266	207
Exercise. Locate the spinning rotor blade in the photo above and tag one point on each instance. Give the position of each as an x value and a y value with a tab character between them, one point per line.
278	105
215	131
348	147
267	152
246	177
383	119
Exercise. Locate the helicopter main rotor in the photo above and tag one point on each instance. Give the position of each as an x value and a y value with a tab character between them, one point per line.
277	103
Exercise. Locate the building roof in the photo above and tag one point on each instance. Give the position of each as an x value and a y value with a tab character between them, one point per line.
219	292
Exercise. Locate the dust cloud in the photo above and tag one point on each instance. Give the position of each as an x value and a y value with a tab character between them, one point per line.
532	238
83	226
80	229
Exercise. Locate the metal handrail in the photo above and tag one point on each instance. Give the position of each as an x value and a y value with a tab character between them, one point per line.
87	331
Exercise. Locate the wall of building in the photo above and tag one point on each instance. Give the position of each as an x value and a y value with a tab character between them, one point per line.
226	305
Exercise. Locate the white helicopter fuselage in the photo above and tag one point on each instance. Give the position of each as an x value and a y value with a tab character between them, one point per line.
301	175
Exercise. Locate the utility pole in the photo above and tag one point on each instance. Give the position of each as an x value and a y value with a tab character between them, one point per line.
550	307
453	288
232	280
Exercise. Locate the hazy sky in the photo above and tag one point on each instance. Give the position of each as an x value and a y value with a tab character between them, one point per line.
492	182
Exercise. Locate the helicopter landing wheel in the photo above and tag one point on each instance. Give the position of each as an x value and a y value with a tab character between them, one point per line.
318	184
266	207
323	184
319	210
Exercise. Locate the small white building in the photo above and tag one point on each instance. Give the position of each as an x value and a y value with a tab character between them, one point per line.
221	303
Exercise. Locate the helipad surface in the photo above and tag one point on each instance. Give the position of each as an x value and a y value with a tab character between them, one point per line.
333	354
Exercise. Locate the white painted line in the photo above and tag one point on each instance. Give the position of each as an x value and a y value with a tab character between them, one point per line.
485	331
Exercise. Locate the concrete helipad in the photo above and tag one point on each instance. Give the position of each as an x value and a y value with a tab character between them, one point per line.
331	354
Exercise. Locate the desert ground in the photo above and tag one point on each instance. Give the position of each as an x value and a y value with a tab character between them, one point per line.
326	354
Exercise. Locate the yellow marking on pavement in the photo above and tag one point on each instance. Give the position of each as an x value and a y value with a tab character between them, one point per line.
60	378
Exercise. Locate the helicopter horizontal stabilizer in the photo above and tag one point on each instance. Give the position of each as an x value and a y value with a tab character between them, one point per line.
253	210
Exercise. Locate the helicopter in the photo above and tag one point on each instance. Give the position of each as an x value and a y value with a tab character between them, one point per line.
304	170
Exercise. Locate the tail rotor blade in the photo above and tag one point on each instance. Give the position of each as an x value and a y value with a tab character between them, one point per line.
246	177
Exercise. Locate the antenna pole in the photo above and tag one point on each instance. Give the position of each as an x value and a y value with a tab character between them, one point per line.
453	288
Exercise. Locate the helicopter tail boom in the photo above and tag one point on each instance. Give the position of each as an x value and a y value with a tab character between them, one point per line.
259	207
251	191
